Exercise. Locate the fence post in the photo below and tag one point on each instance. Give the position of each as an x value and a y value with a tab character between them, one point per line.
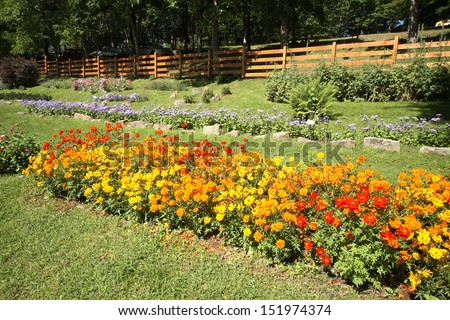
284	56
57	67
244	61
116	67
45	65
70	67
180	65
210	63
333	52
83	67
135	66
395	50
98	66
155	63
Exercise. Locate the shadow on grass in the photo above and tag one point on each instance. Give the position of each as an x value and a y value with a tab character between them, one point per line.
431	109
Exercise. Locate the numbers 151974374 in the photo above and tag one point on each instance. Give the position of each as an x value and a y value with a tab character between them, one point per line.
295	309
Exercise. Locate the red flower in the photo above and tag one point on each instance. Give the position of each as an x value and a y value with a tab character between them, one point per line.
70	131
159	131
300	205
320	252
326	260
302	222
245	140
370	219
379	202
46	146
328	218
308	245
184	125
78	131
362	197
389	238
403	232
61	132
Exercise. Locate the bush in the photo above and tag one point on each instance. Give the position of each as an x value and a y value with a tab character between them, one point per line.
18	71
340	76
166	85
311	98
24	96
226	90
280	83
101	84
57	83
207	95
15	149
189	99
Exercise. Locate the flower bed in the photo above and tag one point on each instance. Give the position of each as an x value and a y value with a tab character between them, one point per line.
132	97
408	130
351	221
102	84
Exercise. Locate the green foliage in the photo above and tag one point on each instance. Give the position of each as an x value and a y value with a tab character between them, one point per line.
166	85
226	90
340	76
311	99
18	71
207	94
57	83
280	83
13	95
189	98
15	149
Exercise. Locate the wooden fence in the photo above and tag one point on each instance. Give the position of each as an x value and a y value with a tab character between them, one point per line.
250	64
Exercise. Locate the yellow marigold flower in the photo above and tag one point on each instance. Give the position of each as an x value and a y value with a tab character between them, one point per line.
436	253
207	220
445	216
96	186
231	207
87	192
195	210
134	200
437	238
280	244
39	184
416	255
320	155
245	218
303	191
276	227
164	173
423	237
425	273
247	232
414	280
277	160
220	209
260	222
258	236
99	200
220	216
180	212
249	201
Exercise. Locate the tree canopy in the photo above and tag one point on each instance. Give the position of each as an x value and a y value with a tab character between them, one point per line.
40	26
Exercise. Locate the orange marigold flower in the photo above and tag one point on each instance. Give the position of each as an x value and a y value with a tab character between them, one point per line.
180	212
403	232
389	238
276	227
349	235
258	236
320	252
370	219
46	146
328	217
379	202
280	244
361	159
313	226
336	222
326	260
395	223
137	135
308	245
159	131
302	222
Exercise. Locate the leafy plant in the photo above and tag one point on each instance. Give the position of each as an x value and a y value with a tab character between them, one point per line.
189	98
24	96
280	83
311	99
15	150
207	94
226	90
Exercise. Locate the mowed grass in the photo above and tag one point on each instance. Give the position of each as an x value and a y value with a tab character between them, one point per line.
55	249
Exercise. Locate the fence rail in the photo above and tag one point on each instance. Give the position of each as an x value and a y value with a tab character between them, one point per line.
249	64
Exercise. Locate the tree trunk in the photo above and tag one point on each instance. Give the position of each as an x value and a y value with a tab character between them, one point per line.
246	21
215	26
413	25
134	33
84	45
284	29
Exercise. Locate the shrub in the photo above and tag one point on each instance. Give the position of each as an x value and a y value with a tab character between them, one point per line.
101	84
189	98
340	76
18	71
226	90
166	85
24	96
57	83
370	83
207	94
311	99
280	83
15	149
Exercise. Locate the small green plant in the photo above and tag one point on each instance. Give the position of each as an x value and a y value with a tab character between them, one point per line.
57	83
311	99
207	95
166	85
189	98
226	90
15	149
